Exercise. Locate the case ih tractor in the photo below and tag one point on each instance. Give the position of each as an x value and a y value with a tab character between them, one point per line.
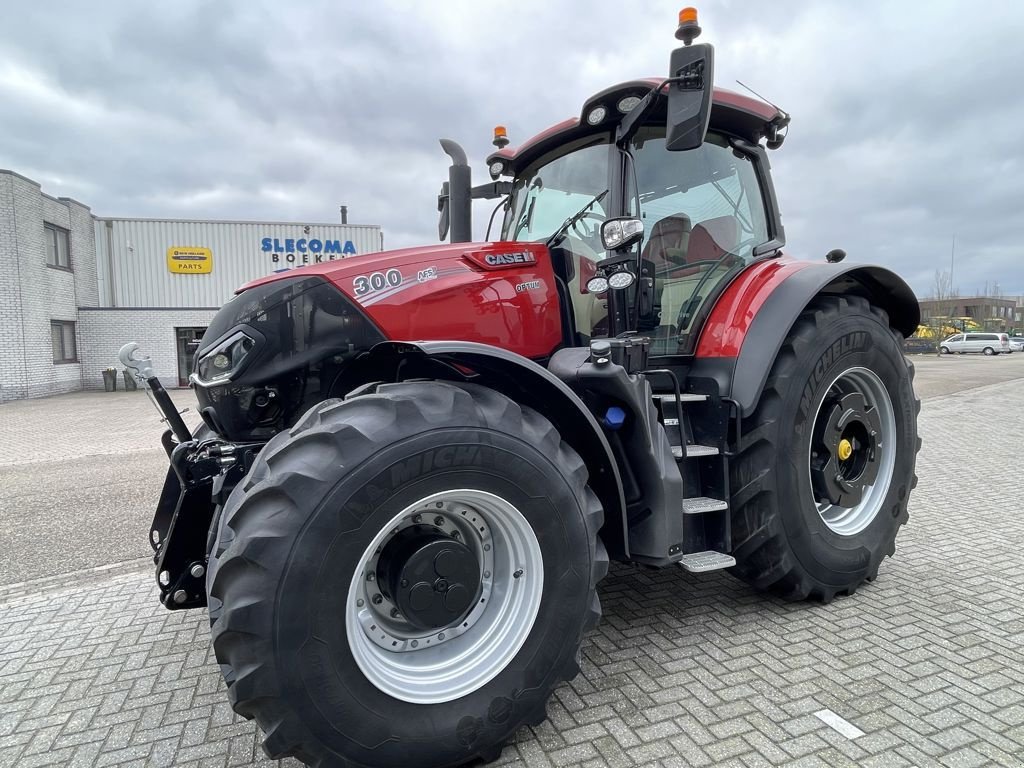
414	466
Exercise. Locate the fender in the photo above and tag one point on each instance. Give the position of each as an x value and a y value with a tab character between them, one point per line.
750	321
525	382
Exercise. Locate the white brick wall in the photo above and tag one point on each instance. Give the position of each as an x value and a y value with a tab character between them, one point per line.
104	331
32	293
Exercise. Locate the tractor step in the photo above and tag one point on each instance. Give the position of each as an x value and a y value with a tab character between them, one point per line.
693	450
696	505
701	562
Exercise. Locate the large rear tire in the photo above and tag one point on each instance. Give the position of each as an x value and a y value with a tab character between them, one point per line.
826	463
339	657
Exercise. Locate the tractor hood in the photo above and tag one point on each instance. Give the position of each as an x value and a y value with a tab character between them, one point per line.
286	341
501	293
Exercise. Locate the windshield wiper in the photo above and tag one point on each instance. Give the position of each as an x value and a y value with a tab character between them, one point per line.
560	232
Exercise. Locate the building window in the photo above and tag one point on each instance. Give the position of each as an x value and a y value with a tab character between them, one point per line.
62	334
57	252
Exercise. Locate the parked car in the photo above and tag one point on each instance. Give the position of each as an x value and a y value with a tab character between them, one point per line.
1017	343
986	343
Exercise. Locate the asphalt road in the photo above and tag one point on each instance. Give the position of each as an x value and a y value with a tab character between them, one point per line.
80	474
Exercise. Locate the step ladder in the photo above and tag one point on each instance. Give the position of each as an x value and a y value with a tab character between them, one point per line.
703	467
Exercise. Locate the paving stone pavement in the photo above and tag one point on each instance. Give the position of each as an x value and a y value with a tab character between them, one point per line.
684	670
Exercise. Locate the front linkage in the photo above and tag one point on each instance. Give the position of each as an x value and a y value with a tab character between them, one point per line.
204	470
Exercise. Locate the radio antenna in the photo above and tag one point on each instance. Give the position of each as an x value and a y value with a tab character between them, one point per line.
762	98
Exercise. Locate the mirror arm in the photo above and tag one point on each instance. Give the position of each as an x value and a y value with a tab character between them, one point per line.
491	191
631	122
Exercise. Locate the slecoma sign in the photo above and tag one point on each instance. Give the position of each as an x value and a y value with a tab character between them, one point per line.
306	250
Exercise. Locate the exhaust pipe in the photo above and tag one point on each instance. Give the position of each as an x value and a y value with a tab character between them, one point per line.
459	193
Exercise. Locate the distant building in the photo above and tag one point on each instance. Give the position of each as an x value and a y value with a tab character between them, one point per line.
989	312
75	287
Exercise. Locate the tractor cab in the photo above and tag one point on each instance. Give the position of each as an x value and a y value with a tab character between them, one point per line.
649	202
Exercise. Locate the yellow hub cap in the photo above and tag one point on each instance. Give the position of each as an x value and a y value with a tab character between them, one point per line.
845	449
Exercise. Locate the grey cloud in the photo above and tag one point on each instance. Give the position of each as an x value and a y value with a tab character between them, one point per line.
904	126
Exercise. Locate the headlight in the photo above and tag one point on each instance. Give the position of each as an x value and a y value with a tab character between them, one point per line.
596	115
224	361
627	104
621	280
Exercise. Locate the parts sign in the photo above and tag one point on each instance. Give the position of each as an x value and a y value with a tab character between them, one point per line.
187	260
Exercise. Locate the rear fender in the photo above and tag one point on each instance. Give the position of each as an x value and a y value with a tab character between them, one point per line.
737	350
525	382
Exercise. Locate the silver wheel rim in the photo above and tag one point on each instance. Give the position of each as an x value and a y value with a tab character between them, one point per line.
450	663
848	521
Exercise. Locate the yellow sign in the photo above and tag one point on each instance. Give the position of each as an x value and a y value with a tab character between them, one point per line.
186	260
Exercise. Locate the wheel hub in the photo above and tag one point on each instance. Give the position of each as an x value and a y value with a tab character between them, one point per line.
432	579
844	459
444	596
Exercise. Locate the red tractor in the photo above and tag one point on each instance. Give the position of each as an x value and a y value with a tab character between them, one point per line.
415	465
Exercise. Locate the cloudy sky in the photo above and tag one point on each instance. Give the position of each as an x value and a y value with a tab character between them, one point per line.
904	135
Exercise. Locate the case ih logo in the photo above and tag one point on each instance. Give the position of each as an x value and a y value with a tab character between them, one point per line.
489	260
509	259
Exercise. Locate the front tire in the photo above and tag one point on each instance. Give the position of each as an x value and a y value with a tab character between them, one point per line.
943	350
341	658
826	462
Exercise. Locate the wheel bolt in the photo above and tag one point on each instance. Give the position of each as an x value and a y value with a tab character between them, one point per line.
441	636
517	574
456	535
415	643
370	576
405	582
487	547
417	518
439	520
360	603
394	613
377	599
487	574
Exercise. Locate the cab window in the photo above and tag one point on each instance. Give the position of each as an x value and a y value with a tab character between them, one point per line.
703	217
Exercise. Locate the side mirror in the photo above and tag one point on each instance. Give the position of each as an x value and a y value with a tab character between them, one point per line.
617	234
442	208
692	68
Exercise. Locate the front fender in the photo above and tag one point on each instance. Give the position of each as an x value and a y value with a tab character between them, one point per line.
525	382
750	321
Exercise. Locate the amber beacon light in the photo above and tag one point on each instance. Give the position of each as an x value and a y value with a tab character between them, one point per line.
500	137
688	29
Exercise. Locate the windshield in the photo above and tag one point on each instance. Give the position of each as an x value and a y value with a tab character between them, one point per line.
703	216
545	196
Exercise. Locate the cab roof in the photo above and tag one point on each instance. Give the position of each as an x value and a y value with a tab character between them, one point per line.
731	113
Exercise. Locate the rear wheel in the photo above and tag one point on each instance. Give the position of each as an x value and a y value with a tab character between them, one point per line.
989	351
826	462
405	576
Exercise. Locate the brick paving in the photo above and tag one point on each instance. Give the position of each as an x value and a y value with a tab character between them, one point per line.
683	670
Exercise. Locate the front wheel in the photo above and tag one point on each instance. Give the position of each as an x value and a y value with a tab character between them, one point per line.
826	462
943	350
405	576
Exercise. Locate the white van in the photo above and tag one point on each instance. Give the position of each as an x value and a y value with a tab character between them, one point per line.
986	343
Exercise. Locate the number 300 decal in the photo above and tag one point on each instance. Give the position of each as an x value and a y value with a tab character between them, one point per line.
363	284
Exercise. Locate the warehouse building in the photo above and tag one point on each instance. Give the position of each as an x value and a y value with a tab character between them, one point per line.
75	287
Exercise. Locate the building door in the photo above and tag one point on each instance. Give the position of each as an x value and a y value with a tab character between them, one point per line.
188	342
